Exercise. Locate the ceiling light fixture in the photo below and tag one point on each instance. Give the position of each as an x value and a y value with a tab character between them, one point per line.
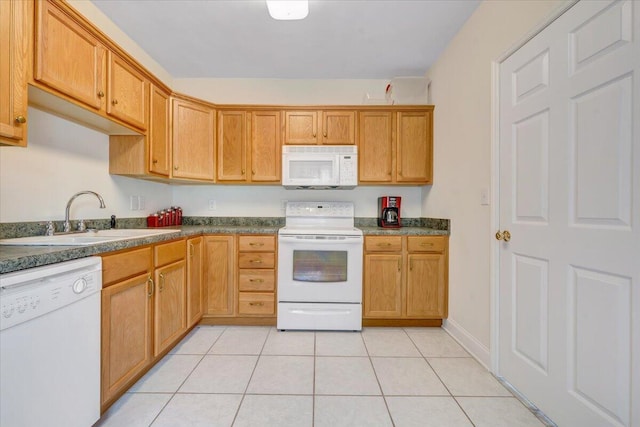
288	9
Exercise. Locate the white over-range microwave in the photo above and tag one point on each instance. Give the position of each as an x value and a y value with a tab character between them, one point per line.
319	166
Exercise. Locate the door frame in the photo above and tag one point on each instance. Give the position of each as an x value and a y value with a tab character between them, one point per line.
494	270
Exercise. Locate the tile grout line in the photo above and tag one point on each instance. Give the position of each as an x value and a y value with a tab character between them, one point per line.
244	394
173	395
384	398
442	382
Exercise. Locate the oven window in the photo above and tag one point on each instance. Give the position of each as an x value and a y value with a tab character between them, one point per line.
320	266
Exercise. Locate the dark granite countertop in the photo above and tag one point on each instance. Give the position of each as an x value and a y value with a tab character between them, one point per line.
14	258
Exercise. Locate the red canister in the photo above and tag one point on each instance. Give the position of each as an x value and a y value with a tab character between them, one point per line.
179	215
152	220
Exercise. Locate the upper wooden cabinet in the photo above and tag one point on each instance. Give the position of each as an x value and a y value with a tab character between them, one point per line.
415	147
248	146
127	93
396	147
307	127
14	65
193	140
92	75
159	138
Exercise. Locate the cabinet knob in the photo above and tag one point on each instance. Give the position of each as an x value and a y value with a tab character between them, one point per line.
253	172
114	102
101	94
314	134
21	119
175	168
243	171
325	134
155	161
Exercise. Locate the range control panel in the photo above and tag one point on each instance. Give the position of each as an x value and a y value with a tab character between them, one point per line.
320	209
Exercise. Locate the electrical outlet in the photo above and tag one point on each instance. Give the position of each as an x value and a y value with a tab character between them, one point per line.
212	205
141	204
134	203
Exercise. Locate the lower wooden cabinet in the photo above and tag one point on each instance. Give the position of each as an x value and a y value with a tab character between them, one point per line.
256	275
405	277
219	273
143	312
195	280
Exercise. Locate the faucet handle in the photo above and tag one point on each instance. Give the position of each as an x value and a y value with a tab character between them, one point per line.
81	225
51	229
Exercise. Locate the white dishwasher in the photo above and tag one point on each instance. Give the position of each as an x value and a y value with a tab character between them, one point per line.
50	345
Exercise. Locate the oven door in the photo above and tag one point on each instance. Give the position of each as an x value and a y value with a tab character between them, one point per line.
320	268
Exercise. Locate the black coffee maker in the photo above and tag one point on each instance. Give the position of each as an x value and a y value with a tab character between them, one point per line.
389	212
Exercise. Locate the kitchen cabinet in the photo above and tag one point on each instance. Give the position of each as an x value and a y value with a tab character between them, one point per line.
193	140
376	149
15	19
126	320
396	147
308	127
256	275
145	156
159	142
93	76
415	147
127	92
405	277
248	146
219	273
143	312
195	280
170	316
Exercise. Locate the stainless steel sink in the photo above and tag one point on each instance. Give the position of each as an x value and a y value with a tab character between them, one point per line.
87	238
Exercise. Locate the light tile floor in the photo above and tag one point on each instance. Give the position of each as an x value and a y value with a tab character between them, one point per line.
258	376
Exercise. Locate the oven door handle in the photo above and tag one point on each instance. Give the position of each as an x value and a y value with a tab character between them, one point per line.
346	241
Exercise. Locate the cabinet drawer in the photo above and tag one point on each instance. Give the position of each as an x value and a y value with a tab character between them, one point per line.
167	253
427	243
125	264
256	280
256	243
256	303
383	243
256	260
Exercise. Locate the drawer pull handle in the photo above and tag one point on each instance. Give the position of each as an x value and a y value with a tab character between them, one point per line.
259	304
399	265
384	244
256	244
256	280
161	282
256	261
150	283
426	244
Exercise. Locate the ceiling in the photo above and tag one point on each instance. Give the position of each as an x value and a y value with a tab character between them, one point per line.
348	39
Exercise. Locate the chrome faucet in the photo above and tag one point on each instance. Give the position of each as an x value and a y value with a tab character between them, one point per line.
67	224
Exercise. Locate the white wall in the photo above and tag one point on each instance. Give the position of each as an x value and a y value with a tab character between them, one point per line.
266	201
461	91
61	159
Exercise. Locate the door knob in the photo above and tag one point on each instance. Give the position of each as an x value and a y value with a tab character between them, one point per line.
503	235
21	119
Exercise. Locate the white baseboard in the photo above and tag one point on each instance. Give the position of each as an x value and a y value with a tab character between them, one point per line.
469	342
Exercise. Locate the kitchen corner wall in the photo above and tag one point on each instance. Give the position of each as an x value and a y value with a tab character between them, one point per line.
461	90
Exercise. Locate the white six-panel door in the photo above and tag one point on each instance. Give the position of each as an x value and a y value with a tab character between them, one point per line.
569	177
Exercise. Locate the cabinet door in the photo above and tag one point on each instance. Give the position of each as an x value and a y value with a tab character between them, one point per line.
339	127
127	93
382	285
193	140
265	146
415	148
219	270
159	155
376	150
300	127
170	306
232	145
68	58
195	291
126	332
427	286
14	63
